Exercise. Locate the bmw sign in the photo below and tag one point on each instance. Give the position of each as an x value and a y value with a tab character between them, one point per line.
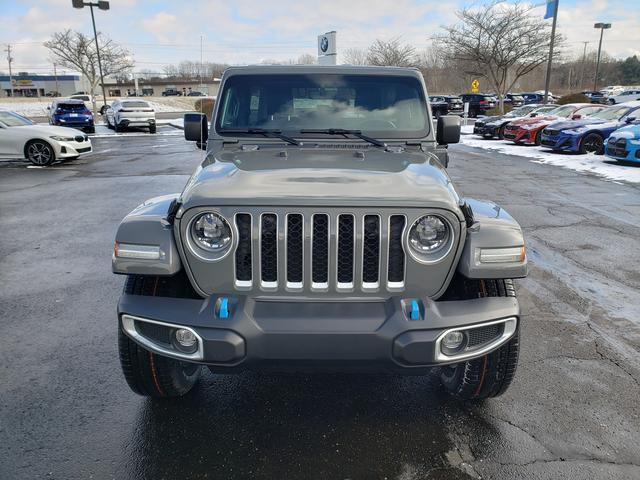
327	48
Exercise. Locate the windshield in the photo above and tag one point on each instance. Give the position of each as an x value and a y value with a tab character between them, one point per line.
11	119
563	111
72	107
611	113
521	111
380	106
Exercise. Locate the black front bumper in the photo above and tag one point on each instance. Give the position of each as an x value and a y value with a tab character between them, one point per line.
264	334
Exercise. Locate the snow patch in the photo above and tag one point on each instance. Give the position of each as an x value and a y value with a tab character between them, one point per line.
589	163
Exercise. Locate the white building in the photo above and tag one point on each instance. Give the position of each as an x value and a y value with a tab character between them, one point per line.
26	85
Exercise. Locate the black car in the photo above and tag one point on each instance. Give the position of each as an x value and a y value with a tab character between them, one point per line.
479	103
514	99
172	92
446	105
195	93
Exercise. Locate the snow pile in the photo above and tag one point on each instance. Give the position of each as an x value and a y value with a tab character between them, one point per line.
590	163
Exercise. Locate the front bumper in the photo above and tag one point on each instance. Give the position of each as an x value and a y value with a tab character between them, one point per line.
352	335
521	135
72	149
561	142
622	150
136	121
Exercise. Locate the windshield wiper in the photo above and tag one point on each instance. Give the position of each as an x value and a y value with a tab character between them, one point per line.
267	132
345	132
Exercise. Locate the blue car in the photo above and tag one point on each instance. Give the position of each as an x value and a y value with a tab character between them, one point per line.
588	134
71	113
624	144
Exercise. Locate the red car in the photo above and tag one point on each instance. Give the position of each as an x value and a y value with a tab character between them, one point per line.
529	130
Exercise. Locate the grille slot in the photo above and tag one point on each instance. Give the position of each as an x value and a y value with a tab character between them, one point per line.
482	335
269	250
395	273
243	252
320	250
346	246
295	230
371	251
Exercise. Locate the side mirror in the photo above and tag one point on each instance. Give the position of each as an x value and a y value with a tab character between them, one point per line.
49	107
533	115
577	116
196	128
448	129
630	119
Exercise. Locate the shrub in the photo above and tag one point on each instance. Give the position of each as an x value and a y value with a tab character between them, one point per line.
205	105
573	98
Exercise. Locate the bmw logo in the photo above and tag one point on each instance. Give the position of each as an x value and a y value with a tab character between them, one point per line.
324	44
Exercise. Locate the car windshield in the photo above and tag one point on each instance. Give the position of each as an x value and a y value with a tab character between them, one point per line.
72	107
611	113
11	119
563	111
380	106
521	111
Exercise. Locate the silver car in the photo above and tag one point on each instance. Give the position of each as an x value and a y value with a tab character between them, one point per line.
320	232
122	114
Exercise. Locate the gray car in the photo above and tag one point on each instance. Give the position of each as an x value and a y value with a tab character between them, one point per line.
320	232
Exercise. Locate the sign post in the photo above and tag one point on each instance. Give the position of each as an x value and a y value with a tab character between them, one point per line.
327	49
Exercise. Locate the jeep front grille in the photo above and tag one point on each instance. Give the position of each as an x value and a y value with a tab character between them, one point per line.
320	251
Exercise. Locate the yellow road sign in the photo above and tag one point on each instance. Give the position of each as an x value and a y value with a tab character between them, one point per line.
475	85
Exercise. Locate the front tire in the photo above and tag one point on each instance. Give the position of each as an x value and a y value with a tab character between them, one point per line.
40	153
592	143
147	373
152	129
152	375
490	375
501	132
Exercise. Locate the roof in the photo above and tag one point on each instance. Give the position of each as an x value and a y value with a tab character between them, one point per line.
71	101
332	69
40	78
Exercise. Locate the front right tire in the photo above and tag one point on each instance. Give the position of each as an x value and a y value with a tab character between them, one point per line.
40	153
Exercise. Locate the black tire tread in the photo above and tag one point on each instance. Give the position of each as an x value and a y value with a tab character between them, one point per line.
490	375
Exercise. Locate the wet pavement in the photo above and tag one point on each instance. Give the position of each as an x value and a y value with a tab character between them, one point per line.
66	412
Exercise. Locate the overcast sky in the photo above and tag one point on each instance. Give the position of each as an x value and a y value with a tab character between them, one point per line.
159	32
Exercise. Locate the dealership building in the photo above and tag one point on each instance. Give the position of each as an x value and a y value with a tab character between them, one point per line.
26	85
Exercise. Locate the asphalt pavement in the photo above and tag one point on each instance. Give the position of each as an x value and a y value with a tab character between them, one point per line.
67	413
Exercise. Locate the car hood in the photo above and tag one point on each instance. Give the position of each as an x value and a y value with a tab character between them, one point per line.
629	132
317	176
49	130
534	120
573	124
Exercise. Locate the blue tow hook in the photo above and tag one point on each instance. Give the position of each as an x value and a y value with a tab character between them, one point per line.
223	307
415	310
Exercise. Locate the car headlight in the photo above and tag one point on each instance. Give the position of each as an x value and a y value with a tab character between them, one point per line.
211	232
576	131
429	237
635	142
62	139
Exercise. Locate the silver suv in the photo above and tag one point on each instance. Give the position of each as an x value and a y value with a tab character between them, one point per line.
321	232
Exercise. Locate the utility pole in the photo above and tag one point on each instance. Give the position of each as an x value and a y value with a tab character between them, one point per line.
602	27
10	59
55	74
584	65
553	37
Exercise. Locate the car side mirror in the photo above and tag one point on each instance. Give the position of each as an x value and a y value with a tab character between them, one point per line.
577	116
196	129
48	107
448	129
630	119
533	115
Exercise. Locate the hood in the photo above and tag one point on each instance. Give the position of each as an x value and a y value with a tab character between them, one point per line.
573	124
49	130
629	132
534	120
317	176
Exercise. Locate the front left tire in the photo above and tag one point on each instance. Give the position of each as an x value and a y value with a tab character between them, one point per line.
40	153
592	143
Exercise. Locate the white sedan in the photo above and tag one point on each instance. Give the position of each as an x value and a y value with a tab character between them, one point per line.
131	113
40	144
626	96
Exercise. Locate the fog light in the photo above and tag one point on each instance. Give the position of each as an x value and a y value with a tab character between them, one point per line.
452	342
186	338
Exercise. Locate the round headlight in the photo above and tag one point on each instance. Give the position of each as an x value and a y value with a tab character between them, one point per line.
211	232
429	234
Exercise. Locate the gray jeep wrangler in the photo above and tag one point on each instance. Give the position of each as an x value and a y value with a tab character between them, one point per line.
320	232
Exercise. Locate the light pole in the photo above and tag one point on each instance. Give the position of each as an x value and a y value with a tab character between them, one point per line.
602	27
101	6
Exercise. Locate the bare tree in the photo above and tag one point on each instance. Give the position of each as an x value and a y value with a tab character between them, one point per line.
499	42
307	59
77	51
355	56
392	53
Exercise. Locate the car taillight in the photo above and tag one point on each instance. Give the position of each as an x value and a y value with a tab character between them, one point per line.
483	102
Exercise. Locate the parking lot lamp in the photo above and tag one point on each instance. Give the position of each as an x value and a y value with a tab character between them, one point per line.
101	6
602	27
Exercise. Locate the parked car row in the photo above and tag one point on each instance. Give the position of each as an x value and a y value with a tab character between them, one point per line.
576	127
481	103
